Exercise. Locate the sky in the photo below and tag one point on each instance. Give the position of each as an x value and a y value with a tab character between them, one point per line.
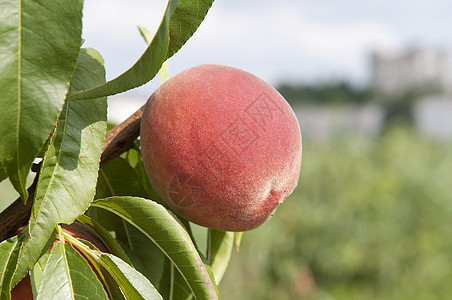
295	41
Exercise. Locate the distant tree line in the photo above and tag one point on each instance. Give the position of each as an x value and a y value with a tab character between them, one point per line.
339	92
397	107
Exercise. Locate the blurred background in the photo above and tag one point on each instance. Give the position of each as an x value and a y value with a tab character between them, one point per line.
371	84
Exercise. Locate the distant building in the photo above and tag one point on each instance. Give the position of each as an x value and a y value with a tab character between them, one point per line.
324	122
433	117
396	73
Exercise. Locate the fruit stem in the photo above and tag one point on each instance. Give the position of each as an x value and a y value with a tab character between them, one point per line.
60	233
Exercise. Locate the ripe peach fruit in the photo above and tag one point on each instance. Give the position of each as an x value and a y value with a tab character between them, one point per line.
221	147
23	290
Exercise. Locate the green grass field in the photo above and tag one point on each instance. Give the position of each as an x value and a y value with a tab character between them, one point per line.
367	221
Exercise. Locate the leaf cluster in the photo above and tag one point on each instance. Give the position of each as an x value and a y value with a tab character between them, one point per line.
53	100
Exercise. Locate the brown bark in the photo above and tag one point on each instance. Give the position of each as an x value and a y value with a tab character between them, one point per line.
117	141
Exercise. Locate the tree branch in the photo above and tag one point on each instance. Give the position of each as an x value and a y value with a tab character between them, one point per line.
121	138
117	141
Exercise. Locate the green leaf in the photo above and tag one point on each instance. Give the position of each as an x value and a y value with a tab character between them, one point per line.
164	70
145	34
163	228
106	237
143	178
144	253
179	288
3	174
118	178
39	45
68	175
132	283
36	272
184	22
112	287
237	240
180	21
67	275
146	257
9	253
220	248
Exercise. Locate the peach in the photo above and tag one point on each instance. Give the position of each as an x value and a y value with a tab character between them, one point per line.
23	290
221	147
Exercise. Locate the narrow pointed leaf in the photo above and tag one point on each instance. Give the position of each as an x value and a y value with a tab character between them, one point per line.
36	272
119	178
112	287
163	228
67	275
9	253
164	70
181	290
67	180
146	257
132	283
180	21
220	244
184	22
112	245
145	34
39	45
179	287
237	240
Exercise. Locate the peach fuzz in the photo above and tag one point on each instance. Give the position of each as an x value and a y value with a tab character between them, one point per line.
221	147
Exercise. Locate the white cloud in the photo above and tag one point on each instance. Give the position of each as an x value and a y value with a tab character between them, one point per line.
285	39
111	27
282	41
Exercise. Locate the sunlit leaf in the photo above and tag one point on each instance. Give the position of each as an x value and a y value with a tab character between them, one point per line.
106	237
219	253
67	275
179	288
145	256
184	22
39	45
9	253
132	283
119	178
112	287
36	272
237	240
180	21
162	227
164	69
68	175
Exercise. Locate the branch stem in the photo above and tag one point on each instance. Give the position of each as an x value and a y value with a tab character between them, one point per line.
117	141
